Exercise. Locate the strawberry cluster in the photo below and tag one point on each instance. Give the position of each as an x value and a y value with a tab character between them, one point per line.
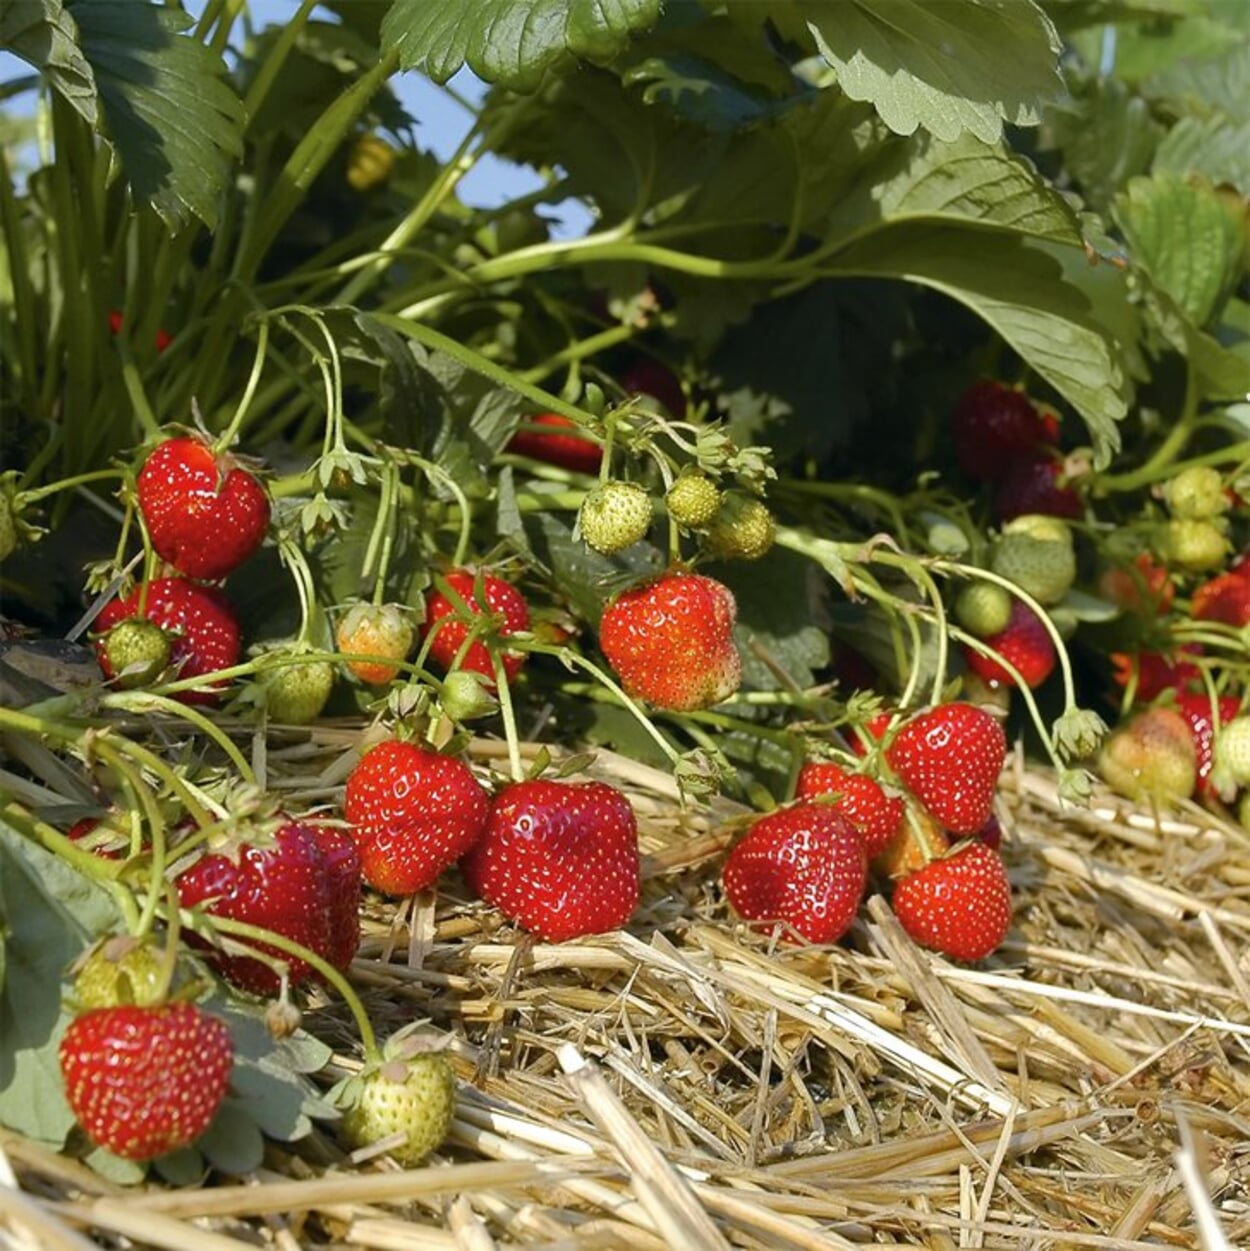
929	829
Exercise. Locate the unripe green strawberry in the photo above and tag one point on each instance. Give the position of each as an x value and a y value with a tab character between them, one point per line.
1038	559
1196	493
137	652
983	608
295	694
415	1097
1153	756
694	500
614	516
121	970
1231	769
468	695
1193	546
743	528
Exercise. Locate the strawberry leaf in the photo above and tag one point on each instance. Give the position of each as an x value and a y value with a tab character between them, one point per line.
511	42
45	36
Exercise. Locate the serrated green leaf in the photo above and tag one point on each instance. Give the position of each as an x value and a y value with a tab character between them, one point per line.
1179	233
509	42
45	36
1020	291
1211	147
166	102
115	1168
962	65
699	91
1207	84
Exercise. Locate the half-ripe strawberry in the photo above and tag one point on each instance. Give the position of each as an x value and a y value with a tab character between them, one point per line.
1153	755
558	858
671	641
1224	598
959	905
203	631
950	758
145	1081
860	799
1145	587
382	634
284	882
1199	714
805	866
1153	672
994	425
558	441
413	813
450	615
1025	643
204	514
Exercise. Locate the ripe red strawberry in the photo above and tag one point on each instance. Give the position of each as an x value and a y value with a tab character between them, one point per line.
299	882
1025	643
203	628
384	631
1224	598
804	865
671	641
145	1081
558	443
502	601
1034	485
558	858
861	800
994	426
1195	707
204	514
959	905
950	758
1155	672
413	813
874	727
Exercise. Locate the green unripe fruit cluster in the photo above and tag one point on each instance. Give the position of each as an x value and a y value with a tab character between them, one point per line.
693	501
743	528
1196	494
614	516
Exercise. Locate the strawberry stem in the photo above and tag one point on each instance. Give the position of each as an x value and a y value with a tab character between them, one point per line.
65	484
507	712
227	437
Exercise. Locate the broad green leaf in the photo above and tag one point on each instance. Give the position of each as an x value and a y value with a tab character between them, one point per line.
1070	15
1210	147
1208	84
167	105
1223	373
511	42
962	65
43	34
1020	291
1180	234
699	91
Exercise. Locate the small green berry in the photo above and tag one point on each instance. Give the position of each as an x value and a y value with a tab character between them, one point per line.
467	695
743	529
1044	568
295	694
1196	494
693	500
1232	751
137	652
983	609
415	1097
121	970
614	516
1192	546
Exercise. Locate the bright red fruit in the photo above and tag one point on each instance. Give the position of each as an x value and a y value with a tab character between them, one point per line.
861	800
303	882
805	865
413	813
671	641
960	905
994	426
1033	485
202	624
1195	707
950	758
1155	672
106	841
558	858
1225	598
558	443
874	727
502	600
1025	643
203	513
163	337
145	1081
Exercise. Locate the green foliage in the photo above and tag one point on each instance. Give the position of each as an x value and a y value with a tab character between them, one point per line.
45	36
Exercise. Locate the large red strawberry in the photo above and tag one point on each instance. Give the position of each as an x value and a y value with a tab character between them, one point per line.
302	882
145	1081
804	865
860	799
950	758
1224	598
558	858
1034	484
1025	643
452	615
204	514
200	621
959	905
671	641
558	442
1196	708
413	813
994	426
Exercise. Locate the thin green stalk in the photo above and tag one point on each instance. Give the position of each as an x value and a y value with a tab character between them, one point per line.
230	433
149	701
275	60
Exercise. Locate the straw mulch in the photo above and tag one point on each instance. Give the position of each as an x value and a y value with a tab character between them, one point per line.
691	1084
